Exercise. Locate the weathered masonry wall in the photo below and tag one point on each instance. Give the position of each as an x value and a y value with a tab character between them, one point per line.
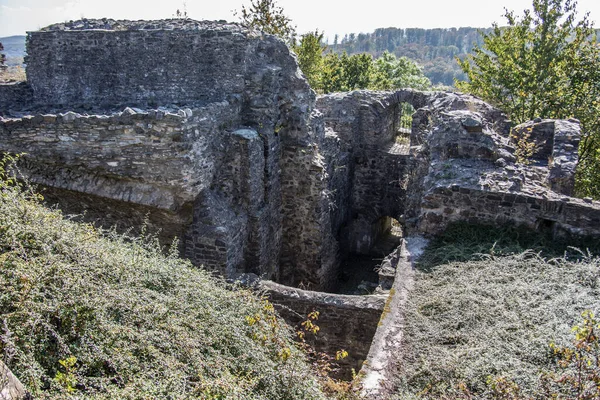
368	168
210	131
203	127
466	171
380	365
95	65
563	216
346	322
15	96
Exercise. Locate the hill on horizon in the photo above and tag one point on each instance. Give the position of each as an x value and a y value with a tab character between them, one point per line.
14	49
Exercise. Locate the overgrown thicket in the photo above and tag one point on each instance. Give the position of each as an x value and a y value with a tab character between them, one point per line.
497	325
90	314
544	64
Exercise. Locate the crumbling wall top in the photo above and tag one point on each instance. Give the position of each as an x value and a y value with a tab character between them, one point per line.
106	64
180	24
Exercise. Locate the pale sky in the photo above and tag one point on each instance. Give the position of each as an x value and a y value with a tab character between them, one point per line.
331	16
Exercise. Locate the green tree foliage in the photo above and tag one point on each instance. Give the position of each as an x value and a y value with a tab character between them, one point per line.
433	49
584	104
392	72
361	71
329	72
358	71
342	73
267	16
544	64
332	74
310	56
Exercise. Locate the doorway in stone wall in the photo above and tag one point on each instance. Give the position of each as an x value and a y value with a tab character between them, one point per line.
404	118
358	272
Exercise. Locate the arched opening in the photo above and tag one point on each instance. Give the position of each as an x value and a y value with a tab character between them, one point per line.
358	270
404	123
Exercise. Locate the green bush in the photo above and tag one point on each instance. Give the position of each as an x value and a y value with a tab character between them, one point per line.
95	315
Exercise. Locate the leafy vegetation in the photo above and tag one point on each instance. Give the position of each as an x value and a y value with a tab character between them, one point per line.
342	73
329	72
268	17
485	310
433	49
544	64
392	72
310	57
96	315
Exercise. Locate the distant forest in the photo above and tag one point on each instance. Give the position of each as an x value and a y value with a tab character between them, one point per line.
433	49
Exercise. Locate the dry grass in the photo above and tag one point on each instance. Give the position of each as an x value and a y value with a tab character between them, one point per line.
13	74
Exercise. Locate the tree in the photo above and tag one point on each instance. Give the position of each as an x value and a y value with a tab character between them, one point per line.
342	73
2	58
395	73
358	71
267	16
310	57
332	74
328	73
543	64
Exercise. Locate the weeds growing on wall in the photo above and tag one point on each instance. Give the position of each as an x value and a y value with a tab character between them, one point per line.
95	315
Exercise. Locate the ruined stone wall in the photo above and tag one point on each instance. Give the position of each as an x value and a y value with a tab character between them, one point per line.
345	322
14	96
134	156
379	187
564	216
106	65
124	167
374	166
224	109
466	169
231	151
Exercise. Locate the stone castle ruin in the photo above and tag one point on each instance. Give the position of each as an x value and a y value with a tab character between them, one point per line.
210	132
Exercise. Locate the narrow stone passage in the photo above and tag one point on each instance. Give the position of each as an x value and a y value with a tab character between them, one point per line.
359	272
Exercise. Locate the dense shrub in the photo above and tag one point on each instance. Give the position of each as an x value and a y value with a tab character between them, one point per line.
481	325
90	314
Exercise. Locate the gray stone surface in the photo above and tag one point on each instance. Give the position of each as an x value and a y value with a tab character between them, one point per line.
210	133
380	367
10	386
346	322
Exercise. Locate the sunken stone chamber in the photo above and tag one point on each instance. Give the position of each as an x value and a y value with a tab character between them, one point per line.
207	132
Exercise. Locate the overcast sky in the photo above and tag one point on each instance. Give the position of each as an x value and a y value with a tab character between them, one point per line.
331	16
